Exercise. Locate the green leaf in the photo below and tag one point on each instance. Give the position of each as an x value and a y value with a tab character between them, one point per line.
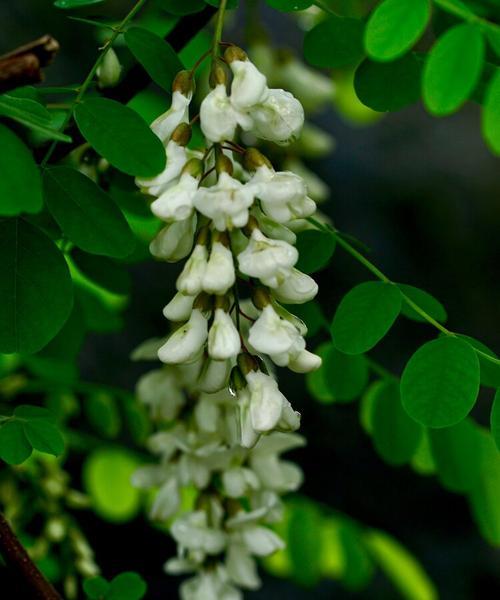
440	383
335	42
365	315
86	214
230	3
316	380
358	568
289	5
311	314
484	495
95	587
394	27
428	303
495	419
400	567
120	135
65	347
155	55
33	270
387	87
186	7
44	436
98	316
127	586
423	461
345	375
490	118
396	436
490	371
32	114
304	529
106	272
67	4
102	413
106	475
453	69
315	250
14	447
455	452
20	183
30	412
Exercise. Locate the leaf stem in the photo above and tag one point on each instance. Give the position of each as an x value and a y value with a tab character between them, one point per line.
380	275
91	74
466	14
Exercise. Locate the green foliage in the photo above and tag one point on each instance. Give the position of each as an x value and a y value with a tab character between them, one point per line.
495	420
120	136
315	249
86	214
155	55
29	428
20	184
335	42
453	69
31	114
32	269
106	476
394	27
387	87
103	271
125	586
396	436
490	371
304	525
289	5
491	114
316	380
440	383
68	4
345	375
186	7
365	315
424	300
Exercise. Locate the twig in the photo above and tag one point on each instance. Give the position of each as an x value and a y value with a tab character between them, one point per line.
18	560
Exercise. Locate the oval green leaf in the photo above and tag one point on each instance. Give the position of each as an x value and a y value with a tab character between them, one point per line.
20	183
490	371
14	446
396	436
316	382
127	586
33	270
490	118
394	27
44	436
495	419
453	69
428	303
365	315
440	383
346	376
387	87
315	250
120	135
68	4
335	42
86	214
155	55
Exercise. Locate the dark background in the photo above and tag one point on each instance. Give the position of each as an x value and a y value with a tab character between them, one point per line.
423	194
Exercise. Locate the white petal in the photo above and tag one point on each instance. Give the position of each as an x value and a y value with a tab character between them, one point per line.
261	541
186	342
217	118
219	275
223	337
297	288
271	334
179	308
190	280
174	242
178	113
249	85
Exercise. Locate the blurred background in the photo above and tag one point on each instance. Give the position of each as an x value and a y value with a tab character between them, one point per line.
423	195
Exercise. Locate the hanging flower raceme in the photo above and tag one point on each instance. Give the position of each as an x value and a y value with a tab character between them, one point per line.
228	212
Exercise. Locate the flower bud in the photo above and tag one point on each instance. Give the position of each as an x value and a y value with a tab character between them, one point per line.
182	134
184	83
109	71
234	53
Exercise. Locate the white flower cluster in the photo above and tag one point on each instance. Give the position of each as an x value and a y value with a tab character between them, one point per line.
230	214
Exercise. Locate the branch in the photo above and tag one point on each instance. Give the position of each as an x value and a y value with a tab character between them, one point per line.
21	564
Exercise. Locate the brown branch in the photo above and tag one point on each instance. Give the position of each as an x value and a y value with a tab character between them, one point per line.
20	563
23	66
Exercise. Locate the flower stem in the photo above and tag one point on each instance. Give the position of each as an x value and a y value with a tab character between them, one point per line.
88	80
219	25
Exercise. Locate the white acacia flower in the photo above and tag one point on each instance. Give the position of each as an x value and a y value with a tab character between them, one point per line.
178	113
185	343
209	585
166	501
269	260
226	203
270	334
218	119
260	541
249	85
266	401
279	118
297	288
283	194
174	242
317	189
191	531
176	159
179	308
176	203
190	280
223	337
241	567
219	275
248	435
303	362
238	481
214	375
158	390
